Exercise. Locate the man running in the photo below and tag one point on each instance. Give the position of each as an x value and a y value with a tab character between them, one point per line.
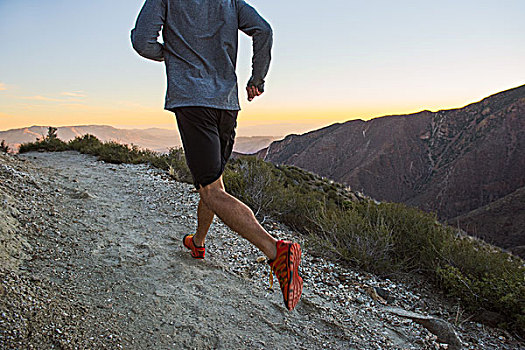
200	54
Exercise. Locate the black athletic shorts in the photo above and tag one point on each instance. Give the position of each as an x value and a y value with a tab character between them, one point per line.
207	137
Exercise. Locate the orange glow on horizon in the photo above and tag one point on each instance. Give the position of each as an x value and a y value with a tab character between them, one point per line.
285	119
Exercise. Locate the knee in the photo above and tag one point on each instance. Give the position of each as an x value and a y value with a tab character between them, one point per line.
209	194
212	192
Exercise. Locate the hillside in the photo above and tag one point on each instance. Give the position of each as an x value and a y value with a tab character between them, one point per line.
504	216
451	162
155	139
92	258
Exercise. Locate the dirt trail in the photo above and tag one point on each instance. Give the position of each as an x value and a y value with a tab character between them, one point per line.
117	233
126	223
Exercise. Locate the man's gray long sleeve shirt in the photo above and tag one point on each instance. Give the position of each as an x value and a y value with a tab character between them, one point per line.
200	48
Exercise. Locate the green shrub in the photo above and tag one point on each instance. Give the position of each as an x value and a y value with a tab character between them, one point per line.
113	152
49	143
255	183
175	163
117	153
485	277
417	236
87	144
3	147
353	237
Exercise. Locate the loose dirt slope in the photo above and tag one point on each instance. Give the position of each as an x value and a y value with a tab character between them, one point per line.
94	260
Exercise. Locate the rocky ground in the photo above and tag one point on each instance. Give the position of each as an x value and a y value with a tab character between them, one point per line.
91	258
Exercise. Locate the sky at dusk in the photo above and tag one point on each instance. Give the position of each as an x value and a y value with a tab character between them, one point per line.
71	62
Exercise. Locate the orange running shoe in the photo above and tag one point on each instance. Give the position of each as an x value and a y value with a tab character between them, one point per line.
286	269
196	252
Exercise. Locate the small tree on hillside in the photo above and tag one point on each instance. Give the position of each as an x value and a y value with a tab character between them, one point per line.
4	147
52	133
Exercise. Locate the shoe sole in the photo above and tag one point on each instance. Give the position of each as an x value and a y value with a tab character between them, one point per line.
295	288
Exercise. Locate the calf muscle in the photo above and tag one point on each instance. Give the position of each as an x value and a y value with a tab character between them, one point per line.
237	216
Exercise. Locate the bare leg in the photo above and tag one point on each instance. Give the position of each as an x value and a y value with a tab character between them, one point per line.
238	217
204	220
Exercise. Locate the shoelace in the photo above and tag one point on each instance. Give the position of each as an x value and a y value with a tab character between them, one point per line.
280	272
271	277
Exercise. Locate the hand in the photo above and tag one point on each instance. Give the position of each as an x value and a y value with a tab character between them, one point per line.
252	92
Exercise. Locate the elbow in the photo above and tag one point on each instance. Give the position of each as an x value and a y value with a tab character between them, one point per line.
138	44
139	48
147	49
267	30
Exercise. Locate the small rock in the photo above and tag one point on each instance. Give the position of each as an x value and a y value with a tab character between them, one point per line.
443	330
385	294
373	294
261	259
360	299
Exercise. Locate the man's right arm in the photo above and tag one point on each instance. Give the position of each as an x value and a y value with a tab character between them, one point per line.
144	37
251	23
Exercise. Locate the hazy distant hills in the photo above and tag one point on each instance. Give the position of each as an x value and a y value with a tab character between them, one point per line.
154	138
466	164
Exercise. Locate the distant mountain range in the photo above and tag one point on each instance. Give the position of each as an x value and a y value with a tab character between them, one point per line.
155	139
467	164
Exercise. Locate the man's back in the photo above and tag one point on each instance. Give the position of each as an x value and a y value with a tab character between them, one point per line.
200	48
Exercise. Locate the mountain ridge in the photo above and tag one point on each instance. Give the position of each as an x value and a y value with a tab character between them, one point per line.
156	139
450	161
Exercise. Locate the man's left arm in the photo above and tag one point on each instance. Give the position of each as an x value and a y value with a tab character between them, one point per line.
144	37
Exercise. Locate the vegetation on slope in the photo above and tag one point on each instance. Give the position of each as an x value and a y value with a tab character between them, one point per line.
3	147
113	152
384	238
